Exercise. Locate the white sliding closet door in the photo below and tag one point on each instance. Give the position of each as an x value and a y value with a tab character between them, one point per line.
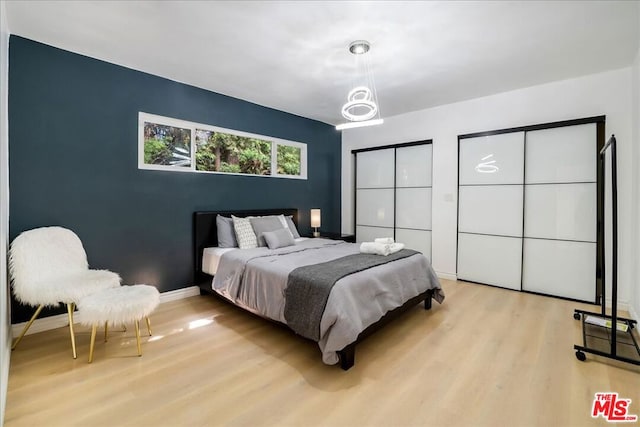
528	209
493	260
560	212
393	195
413	197
375	186
490	206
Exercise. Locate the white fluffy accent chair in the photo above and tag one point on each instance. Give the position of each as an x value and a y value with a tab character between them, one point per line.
117	307
48	266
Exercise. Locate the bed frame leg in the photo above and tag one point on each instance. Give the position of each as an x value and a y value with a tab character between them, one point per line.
427	300
347	357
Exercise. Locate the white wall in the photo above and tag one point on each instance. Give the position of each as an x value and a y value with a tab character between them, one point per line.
607	93
635	280
5	315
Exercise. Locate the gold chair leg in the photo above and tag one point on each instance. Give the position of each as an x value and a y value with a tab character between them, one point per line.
27	326
93	342
70	309
106	330
137	323
148	325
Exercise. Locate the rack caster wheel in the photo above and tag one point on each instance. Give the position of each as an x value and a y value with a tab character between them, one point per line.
576	316
581	356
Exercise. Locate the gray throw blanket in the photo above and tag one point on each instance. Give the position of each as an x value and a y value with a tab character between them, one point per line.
308	288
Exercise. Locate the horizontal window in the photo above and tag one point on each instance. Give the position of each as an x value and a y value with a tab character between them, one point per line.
179	145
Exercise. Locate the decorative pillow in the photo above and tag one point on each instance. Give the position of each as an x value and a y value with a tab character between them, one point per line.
264	224
283	221
226	233
244	233
279	238
292	227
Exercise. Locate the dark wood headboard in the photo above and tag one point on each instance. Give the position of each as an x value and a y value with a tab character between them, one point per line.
205	233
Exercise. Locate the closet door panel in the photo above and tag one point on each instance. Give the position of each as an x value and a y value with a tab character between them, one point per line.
413	166
495	159
566	212
565	154
491	210
415	239
393	195
413	208
369	234
560	268
490	259
375	207
375	169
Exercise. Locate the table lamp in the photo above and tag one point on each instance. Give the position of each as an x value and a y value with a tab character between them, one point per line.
315	222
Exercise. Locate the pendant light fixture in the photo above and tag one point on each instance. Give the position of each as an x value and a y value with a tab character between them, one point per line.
361	108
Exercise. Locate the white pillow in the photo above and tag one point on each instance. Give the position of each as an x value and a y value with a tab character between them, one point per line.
244	233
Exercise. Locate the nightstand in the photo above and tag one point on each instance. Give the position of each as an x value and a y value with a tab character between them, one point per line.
337	236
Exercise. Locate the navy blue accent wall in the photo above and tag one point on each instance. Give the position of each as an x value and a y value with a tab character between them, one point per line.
73	162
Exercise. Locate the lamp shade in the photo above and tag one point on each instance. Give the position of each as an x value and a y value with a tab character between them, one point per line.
315	218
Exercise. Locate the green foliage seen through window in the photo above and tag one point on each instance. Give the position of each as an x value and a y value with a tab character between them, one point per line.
218	151
167	145
289	160
223	152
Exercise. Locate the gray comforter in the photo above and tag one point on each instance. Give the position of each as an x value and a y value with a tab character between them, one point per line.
256	279
309	287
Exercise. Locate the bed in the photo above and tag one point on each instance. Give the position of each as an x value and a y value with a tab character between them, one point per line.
363	295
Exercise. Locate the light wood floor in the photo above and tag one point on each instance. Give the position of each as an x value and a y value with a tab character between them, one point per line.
485	357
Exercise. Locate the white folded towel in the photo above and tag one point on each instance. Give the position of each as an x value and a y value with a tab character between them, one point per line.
384	240
374	248
395	247
380	248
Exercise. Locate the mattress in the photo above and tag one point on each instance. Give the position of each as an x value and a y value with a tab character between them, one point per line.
211	259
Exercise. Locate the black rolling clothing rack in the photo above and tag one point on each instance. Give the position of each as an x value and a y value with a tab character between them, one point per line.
599	340
622	345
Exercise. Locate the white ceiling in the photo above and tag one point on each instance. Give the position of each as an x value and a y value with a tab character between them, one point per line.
293	56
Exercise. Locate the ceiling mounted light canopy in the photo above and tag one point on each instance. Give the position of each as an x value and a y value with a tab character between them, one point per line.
361	108
359	47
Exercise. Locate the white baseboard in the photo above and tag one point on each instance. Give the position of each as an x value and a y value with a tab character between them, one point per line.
42	324
61	320
5	360
622	305
447	276
633	314
179	294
